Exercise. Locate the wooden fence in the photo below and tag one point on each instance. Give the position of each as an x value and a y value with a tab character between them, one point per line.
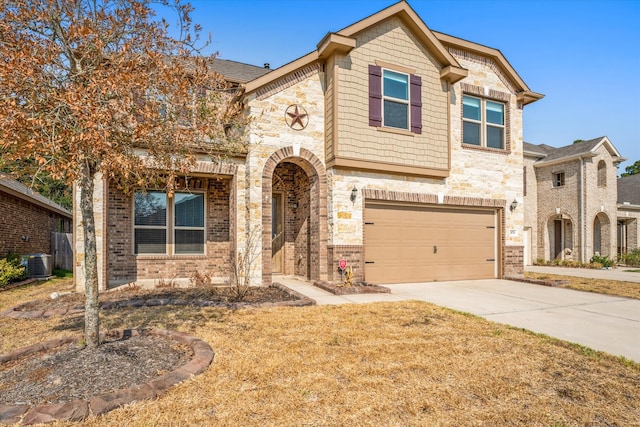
62	248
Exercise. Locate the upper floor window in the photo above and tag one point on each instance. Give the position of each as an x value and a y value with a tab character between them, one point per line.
168	225
395	99
602	173
558	179
483	122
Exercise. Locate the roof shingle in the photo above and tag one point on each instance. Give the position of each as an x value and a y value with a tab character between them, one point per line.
14	186
629	189
237	72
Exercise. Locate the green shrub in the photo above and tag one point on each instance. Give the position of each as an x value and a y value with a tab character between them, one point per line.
62	273
11	271
631	258
603	260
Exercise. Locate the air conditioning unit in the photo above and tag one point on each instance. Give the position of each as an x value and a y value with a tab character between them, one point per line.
38	265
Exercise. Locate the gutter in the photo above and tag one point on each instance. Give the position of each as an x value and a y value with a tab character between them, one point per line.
544	163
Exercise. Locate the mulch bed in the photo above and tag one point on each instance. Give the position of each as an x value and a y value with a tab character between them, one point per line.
212	296
61	380
356	288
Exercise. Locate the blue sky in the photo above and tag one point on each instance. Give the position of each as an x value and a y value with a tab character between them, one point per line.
583	55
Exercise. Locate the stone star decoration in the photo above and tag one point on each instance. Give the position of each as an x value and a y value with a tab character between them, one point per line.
295	117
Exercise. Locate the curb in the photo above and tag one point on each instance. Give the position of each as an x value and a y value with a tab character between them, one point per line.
78	410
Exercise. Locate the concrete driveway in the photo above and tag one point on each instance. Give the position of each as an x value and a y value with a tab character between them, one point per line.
601	322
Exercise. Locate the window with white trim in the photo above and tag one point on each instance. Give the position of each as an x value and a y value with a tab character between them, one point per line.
483	122
395	99
169	225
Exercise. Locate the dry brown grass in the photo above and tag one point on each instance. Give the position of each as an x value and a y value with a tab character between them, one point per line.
390	364
599	286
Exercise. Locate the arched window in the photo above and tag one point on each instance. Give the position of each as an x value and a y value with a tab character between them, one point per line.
602	173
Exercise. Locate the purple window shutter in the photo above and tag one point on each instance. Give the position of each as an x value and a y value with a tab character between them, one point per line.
375	95
416	103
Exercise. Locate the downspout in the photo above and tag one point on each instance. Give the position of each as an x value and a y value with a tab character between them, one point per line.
582	210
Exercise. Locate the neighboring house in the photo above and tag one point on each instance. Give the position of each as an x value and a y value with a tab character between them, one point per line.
628	213
27	219
571	208
391	146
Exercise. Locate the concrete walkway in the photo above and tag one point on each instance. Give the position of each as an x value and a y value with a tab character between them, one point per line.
601	322
623	274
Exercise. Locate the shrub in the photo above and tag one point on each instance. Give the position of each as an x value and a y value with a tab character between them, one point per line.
11	271
603	260
62	273
631	258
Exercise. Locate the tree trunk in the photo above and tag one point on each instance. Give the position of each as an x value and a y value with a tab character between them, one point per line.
91	314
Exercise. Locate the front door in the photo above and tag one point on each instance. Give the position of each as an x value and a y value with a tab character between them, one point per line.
557	237
277	233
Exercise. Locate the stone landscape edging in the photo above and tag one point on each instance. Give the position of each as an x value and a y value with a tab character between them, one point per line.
358	288
15	313
77	410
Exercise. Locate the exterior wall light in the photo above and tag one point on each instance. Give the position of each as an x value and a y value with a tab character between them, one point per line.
354	194
513	205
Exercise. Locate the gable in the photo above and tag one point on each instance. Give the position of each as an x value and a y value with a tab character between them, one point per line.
342	42
390	46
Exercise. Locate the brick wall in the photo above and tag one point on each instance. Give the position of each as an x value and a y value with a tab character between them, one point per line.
354	254
563	202
20	218
123	266
513	261
292	181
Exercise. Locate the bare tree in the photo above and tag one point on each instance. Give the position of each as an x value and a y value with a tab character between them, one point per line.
100	88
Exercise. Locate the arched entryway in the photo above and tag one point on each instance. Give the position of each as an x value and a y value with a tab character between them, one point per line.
601	235
560	232
294	216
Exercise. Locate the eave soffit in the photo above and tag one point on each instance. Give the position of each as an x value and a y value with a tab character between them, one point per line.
524	94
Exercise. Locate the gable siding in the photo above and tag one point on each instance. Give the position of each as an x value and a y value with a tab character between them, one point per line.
391	42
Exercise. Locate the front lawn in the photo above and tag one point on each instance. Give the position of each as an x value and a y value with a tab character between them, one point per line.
405	363
599	286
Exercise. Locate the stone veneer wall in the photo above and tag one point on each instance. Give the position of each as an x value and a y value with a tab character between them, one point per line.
474	173
530	204
273	142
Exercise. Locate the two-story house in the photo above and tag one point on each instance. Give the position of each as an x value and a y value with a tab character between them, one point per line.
628	213
571	200
391	146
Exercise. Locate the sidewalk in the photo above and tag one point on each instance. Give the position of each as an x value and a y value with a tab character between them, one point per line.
601	322
621	273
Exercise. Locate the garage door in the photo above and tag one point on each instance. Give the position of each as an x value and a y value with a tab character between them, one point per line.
405	244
